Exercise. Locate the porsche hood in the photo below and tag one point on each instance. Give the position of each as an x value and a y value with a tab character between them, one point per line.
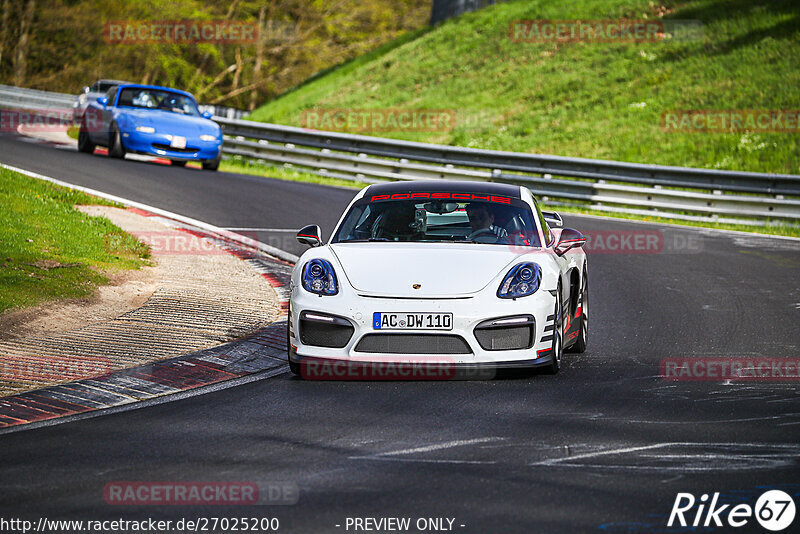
448	270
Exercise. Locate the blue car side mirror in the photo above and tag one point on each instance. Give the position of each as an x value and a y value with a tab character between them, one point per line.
103	101
207	114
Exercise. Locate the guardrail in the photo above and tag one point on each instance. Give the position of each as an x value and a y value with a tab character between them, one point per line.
655	190
34	99
650	190
18	97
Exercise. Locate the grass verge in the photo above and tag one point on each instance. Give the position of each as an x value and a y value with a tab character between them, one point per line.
49	250
591	99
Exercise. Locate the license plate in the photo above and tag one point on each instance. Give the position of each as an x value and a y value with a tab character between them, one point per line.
412	321
178	142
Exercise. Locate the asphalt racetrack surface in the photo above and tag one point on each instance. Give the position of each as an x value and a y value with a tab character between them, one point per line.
605	445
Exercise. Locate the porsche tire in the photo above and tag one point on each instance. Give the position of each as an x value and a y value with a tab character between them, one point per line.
583	330
558	334
294	367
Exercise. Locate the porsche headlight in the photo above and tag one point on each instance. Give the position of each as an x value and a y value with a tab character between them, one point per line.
145	129
206	137
521	281
319	278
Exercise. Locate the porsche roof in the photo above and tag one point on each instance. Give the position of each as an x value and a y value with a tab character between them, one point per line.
415	186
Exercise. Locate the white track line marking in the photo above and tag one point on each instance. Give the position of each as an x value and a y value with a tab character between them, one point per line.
624	450
422	461
391	456
439	446
568	459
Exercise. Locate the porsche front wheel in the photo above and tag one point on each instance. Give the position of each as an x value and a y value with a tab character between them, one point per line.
558	331
583	330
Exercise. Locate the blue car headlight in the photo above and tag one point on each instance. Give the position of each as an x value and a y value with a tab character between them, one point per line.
521	281
319	278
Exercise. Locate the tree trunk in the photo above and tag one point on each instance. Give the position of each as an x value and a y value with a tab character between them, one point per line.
237	92
21	57
259	56
4	29
238	73
202	65
203	90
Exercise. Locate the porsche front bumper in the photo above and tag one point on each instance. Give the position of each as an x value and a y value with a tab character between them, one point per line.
346	327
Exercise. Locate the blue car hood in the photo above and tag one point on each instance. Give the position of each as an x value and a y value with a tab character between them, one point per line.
171	123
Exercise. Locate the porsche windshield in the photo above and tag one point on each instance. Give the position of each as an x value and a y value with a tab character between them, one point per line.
142	97
439	220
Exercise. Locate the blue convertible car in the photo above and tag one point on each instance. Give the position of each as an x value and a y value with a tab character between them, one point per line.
153	120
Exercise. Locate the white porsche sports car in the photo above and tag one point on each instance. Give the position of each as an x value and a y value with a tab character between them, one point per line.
430	278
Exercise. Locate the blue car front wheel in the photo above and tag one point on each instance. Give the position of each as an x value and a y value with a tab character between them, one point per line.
212	164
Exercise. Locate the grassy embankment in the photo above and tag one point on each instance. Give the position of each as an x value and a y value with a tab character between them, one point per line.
49	250
585	99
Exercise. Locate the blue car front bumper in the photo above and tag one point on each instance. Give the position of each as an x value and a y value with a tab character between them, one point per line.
158	144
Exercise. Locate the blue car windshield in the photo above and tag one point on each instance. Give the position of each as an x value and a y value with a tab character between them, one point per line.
441	217
143	97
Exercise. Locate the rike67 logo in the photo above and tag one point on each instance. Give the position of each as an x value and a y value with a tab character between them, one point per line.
774	510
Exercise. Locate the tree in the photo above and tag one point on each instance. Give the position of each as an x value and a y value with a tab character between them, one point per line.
4	29
21	57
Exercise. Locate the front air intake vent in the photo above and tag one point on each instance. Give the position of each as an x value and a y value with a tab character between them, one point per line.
323	330
413	344
506	333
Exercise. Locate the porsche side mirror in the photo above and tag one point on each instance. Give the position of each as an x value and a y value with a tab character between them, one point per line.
102	100
553	219
207	115
568	240
310	235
